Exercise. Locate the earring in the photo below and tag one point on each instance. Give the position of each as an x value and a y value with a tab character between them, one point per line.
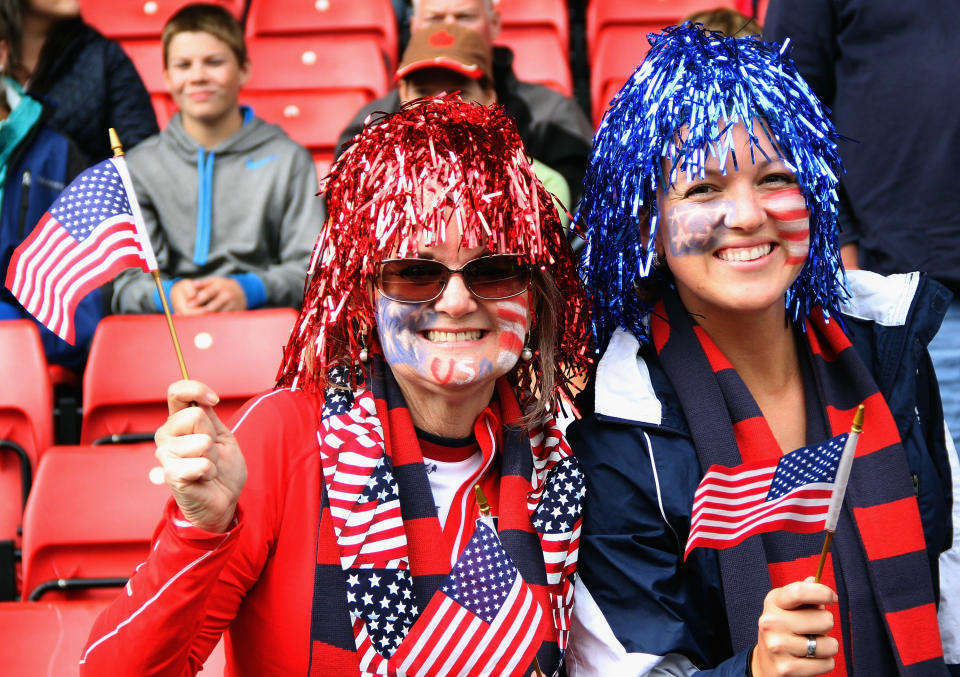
364	355
526	354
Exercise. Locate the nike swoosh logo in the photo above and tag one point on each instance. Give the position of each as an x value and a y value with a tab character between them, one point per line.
257	164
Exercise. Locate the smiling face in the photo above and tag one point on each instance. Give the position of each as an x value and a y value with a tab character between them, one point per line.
204	77
457	344
735	242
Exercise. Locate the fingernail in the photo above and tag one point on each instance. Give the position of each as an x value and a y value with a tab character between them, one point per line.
212	399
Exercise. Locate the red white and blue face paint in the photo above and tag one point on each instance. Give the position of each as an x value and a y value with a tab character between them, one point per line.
425	347
789	210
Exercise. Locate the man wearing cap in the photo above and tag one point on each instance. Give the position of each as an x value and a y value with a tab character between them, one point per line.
451	58
554	129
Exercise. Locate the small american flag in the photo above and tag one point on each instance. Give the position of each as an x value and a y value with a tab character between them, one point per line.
484	620
732	504
90	233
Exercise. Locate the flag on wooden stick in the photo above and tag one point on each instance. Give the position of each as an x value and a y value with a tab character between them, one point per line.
732	504
91	232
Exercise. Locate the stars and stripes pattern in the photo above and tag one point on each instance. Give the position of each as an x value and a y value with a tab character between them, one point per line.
90	233
484	620
789	209
731	504
363	494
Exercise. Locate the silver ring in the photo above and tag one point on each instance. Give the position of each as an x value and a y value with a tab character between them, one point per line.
811	646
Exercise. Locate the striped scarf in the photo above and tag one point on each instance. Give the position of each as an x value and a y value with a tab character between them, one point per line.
379	535
886	618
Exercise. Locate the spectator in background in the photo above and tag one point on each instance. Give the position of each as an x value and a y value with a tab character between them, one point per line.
228	199
87	79
726	20
451	58
35	164
887	71
553	127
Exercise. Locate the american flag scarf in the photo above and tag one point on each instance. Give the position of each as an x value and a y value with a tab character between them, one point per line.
889	616
380	562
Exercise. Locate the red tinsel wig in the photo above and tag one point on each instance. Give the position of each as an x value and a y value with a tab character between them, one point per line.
404	176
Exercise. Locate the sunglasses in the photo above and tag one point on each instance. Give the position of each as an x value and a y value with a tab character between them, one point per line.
422	280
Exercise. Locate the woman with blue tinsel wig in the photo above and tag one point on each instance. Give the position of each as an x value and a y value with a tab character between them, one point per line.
732	336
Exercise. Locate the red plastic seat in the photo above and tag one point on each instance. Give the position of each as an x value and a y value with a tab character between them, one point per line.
91	515
371	19
617	58
47	638
139	18
312	118
337	63
539	58
26	418
639	17
132	362
536	16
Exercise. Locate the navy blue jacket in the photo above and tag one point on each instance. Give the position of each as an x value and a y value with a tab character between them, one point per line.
42	164
887	69
91	85
639	606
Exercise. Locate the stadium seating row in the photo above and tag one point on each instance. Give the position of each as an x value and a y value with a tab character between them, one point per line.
90	509
316	62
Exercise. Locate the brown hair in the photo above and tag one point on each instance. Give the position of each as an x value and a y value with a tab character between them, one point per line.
206	18
728	21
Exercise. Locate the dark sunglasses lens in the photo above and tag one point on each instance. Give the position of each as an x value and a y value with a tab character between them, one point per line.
496	277
412	280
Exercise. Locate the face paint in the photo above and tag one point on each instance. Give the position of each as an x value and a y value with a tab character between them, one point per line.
403	329
788	208
691	226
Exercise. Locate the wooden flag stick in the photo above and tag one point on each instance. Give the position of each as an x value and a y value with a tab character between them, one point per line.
117	149
840	487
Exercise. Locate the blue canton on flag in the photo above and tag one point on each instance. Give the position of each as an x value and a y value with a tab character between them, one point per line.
807	465
93	197
560	508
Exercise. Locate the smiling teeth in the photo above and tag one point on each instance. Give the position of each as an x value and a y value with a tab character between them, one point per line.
745	254
452	336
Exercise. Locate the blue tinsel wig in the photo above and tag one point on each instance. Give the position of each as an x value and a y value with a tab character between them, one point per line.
701	83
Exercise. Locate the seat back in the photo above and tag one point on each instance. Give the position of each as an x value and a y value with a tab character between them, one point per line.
538	58
139	18
26	417
639	17
132	362
91	515
536	16
48	637
366	19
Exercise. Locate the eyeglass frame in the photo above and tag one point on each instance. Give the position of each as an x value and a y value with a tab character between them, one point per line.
525	267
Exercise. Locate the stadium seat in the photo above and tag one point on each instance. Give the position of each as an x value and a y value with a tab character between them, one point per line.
337	63
26	431
746	7
539	58
617	58
535	16
638	17
372	19
139	18
47	638
89	520
311	118
132	361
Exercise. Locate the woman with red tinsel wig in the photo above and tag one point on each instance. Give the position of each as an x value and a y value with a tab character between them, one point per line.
347	537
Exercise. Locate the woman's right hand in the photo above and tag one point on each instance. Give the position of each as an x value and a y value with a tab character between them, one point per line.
201	460
791	615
